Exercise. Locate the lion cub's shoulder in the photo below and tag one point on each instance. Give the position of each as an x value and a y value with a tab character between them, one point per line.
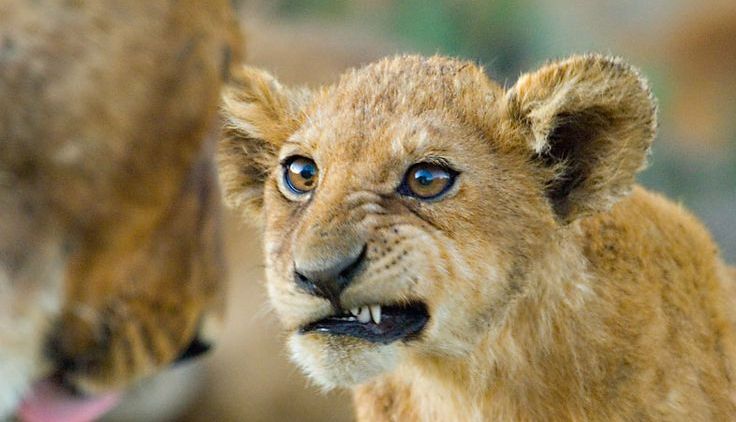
648	231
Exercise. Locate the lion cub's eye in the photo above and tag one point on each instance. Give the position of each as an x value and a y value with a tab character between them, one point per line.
427	181
300	174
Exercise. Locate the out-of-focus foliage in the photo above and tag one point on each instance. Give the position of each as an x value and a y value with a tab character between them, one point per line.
495	33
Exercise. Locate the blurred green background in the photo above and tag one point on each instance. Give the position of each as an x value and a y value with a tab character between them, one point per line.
687	49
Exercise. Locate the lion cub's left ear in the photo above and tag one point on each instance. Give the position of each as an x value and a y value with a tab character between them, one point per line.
589	122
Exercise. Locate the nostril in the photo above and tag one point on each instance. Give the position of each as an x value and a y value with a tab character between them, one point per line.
196	348
305	283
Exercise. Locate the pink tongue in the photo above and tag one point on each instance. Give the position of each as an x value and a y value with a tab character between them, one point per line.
48	402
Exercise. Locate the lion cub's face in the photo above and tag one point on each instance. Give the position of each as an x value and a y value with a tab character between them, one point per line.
404	205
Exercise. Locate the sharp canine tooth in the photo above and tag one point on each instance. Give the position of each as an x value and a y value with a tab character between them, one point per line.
354	311
364	315
376	313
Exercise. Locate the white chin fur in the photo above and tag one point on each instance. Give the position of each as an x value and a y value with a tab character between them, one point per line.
333	361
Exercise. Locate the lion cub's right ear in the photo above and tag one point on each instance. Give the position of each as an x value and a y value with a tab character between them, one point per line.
260	114
588	122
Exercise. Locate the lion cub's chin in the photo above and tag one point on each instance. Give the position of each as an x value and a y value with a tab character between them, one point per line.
341	361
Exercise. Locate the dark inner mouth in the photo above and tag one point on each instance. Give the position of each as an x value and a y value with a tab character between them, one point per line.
63	384
397	322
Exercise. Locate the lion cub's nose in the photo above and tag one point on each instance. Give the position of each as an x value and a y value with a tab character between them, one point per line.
329	281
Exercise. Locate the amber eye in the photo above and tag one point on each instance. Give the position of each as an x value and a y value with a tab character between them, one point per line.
300	174
427	181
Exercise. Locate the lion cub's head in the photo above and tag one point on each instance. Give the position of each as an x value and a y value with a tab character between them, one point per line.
404	205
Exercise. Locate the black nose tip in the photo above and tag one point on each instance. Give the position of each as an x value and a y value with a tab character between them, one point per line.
329	282
196	348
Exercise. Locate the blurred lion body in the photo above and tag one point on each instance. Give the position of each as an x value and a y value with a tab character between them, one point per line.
109	241
556	288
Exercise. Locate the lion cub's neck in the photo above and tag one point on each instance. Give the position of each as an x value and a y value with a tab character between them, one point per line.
529	360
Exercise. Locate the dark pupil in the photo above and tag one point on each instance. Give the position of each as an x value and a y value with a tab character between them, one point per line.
307	172
424	177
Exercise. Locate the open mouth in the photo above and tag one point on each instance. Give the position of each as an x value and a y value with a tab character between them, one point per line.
375	323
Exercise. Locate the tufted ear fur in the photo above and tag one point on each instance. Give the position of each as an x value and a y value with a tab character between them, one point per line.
259	115
589	122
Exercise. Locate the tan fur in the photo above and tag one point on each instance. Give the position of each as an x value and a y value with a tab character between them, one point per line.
109	237
557	290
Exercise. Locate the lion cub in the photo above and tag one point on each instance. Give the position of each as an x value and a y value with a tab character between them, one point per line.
455	251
